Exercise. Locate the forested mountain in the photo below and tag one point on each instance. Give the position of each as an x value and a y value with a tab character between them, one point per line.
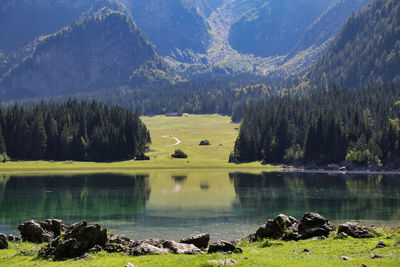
274	27
171	25
72	131
105	50
367	49
360	125
21	21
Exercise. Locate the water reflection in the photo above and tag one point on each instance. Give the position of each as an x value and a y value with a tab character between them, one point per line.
338	197
75	197
174	204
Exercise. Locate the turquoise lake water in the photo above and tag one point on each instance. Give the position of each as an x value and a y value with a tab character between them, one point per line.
174	204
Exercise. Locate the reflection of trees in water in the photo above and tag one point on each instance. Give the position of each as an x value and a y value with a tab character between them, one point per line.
338	197
88	196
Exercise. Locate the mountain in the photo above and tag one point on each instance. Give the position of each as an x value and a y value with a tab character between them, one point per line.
367	49
319	35
274	27
21	21
171	25
105	50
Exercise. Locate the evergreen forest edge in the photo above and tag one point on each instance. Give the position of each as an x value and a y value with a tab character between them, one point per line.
72	131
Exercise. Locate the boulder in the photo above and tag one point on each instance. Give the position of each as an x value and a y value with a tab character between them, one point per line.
77	241
313	224
200	240
10	238
32	231
116	243
154	242
223	246
282	226
380	244
66	249
74	230
181	248
55	226
116	239
355	230
288	228
146	249
3	241
375	256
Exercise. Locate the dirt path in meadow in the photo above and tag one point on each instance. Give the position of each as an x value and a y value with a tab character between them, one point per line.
178	141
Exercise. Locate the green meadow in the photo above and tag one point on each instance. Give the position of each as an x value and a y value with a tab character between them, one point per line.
327	252
189	129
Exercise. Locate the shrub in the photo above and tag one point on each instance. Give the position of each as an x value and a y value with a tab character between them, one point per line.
204	142
179	154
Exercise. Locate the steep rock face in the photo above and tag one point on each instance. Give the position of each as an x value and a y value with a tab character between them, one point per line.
21	21
367	50
274	27
101	51
171	24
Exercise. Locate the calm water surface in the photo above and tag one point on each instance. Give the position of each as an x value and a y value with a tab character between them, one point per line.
175	204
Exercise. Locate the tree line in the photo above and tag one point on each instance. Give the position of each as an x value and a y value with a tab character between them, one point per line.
72	131
359	125
221	95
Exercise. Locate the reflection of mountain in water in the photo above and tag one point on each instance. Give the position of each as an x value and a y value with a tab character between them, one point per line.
76	197
339	197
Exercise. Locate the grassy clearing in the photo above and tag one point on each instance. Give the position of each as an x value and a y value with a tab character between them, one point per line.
189	129
326	252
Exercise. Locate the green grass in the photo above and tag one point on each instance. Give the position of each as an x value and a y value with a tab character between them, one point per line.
190	129
327	252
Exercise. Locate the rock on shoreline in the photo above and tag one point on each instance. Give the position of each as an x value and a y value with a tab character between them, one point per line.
76	240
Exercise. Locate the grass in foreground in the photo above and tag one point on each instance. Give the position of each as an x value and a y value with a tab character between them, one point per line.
326	252
189	129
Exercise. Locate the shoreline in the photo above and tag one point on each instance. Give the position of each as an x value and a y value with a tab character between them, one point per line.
270	168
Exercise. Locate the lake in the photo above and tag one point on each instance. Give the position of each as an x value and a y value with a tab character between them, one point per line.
175	204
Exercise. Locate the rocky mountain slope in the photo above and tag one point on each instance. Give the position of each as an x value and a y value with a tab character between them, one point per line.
63	47
274	27
173	26
105	50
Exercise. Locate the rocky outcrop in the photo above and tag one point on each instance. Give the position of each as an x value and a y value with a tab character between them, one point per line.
355	230
3	241
200	240
77	241
39	232
313	224
282	226
223	246
288	228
